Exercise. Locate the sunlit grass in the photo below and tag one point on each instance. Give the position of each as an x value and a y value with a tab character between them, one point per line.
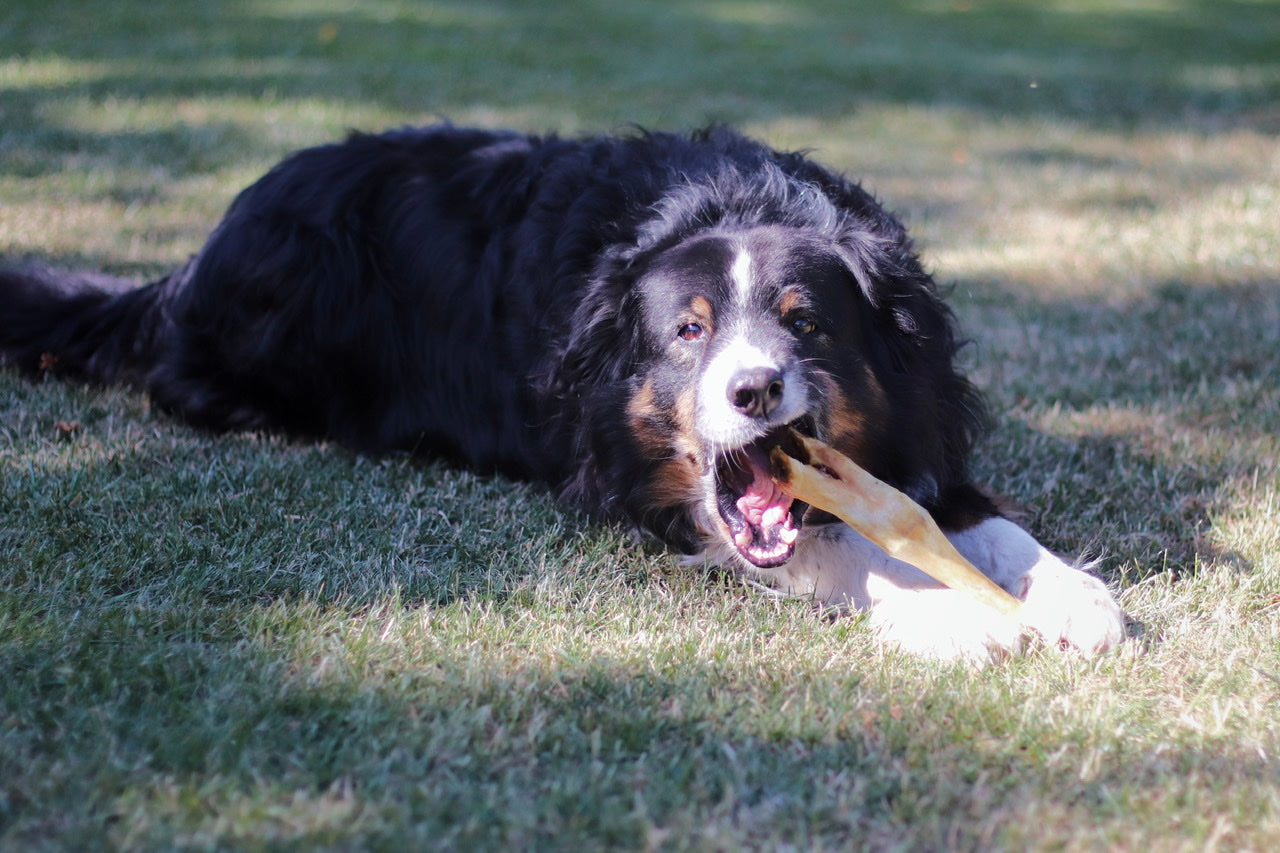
243	642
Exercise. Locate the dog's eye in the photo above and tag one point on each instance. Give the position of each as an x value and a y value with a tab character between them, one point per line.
804	326
690	332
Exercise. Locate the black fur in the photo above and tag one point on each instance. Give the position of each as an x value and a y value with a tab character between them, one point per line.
478	295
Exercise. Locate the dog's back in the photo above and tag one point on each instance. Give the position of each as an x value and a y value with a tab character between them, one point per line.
353	293
416	290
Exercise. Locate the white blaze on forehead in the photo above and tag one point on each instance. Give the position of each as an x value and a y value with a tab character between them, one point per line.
740	272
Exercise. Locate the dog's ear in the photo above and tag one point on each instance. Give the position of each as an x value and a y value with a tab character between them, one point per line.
905	309
602	344
864	255
586	383
912	344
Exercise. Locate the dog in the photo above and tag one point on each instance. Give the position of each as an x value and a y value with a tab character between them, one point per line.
633	321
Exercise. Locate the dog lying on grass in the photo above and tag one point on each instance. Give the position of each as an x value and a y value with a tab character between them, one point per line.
633	321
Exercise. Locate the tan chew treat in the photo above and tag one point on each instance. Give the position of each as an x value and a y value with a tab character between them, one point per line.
831	481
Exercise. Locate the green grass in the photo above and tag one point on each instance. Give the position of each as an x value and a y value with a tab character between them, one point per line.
245	643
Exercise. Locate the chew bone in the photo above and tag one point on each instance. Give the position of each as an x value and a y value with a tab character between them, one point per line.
821	476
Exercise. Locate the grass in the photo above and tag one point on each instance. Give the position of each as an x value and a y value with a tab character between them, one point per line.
246	643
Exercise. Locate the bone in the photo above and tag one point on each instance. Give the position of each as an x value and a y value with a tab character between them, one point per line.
831	481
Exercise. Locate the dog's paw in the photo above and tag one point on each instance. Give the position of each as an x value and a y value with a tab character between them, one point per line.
1066	608
947	625
1071	609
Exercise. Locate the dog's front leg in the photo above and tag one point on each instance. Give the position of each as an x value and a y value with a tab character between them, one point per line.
1065	605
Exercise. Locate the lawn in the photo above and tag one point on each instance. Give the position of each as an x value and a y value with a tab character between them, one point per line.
242	642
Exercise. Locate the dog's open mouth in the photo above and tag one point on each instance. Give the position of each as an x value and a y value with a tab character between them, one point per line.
764	522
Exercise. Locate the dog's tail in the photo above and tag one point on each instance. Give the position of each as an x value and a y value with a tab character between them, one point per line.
81	325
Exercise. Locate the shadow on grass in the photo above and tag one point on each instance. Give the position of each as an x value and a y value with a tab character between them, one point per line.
1204	65
217	521
1131	428
170	738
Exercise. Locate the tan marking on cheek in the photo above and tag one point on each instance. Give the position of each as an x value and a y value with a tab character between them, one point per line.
642	402
851	425
878	400
686	440
675	483
686	407
646	423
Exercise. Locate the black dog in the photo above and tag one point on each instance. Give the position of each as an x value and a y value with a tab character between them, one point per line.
632	321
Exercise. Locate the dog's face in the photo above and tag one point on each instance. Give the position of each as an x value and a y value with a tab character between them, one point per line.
753	332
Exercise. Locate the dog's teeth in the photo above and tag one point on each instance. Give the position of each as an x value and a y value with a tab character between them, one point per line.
743	538
773	516
789	535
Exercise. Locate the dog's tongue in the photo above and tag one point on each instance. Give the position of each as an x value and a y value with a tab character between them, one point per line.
767	511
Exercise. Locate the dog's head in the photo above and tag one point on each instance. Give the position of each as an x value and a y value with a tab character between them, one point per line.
751	332
730	335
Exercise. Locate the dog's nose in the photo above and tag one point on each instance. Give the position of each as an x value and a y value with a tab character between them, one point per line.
756	391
